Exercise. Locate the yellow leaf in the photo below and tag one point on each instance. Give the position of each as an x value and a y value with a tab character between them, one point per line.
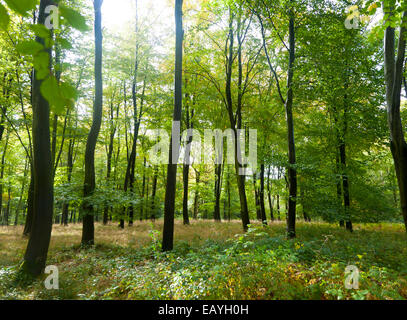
372	7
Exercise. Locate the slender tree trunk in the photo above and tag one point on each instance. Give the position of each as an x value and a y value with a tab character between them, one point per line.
153	194
342	150
196	197
345	183
218	173
229	197
292	172
7	211
3	108
236	125
145	204
186	164
393	75
3	158
43	197
168	232
261	196
143	190
88	231
305	214
269	194
110	150
339	179
185	175
22	192
256	197
65	208
30	205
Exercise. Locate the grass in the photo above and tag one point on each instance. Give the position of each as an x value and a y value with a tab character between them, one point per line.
214	261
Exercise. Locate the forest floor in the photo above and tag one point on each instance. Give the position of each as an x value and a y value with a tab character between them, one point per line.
214	261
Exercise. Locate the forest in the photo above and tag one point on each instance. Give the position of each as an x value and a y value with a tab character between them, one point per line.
203	149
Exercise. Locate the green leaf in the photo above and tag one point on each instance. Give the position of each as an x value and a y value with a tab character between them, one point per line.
4	18
74	18
68	91
21	6
50	91
65	44
41	62
59	95
40	31
41	74
29	47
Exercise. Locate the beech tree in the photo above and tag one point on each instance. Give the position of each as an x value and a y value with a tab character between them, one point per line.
168	232
43	196
394	69
88	231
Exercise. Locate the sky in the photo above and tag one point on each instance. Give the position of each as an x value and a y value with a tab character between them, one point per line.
117	12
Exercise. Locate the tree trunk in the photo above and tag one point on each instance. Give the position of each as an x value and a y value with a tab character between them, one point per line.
112	134
218	173
261	196
236	125
168	231
256	197
196	197
269	194
307	218
22	192
43	196
143	190
185	175
292	172
88	231
393	74
153	194
3	158
345	183
187	157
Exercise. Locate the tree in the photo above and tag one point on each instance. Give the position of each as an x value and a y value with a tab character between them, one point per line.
288	103
88	231
394	68
168	232
187	157
43	196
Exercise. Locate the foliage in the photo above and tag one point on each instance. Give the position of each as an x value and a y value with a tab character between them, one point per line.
260	264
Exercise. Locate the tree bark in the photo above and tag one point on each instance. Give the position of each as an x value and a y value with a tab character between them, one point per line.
88	231
187	161
143	190
70	163
112	133
196	197
43	196
22	192
3	158
169	208
269	194
153	194
235	123
261	196
256	197
218	173
292	171
393	74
